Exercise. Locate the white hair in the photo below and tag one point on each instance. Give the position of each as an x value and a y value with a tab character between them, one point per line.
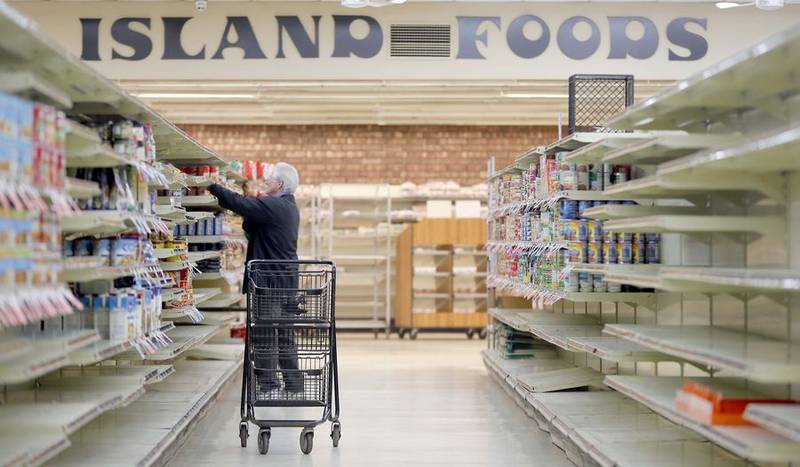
287	175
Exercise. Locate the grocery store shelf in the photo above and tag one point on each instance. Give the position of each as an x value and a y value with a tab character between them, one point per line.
639	275
753	443
201	201
97	222
667	147
81	189
46	355
534	375
195	256
431	252
782	419
205	238
199	215
105	349
683	186
593	153
470	295
574	141
430	295
44	56
204	295
35	87
706	278
174	213
99	155
746	355
431	274
550	296
621	211
616	349
184	337
175	265
559	334
696	224
163	253
168	295
774	151
189	312
223	301
95	273
154	423
723	89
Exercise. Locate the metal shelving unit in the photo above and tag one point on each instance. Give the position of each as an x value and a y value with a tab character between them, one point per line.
53	387
354	228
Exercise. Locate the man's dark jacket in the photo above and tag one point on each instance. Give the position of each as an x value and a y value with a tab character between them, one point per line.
270	222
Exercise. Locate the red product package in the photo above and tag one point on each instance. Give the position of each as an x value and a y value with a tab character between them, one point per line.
711	407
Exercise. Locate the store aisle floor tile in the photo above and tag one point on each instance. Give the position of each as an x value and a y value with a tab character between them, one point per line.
424	402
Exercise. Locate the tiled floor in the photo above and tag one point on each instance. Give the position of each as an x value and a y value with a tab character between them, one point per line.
424	402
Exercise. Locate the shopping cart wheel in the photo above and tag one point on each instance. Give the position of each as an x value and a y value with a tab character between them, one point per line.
263	440
413	333
243	434
470	333
401	333
483	333
306	441
336	433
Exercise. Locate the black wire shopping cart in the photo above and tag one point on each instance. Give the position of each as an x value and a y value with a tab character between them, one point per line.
290	347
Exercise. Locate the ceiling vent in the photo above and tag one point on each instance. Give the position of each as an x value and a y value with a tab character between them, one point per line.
420	40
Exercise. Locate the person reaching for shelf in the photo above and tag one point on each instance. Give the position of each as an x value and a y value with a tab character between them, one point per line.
271	224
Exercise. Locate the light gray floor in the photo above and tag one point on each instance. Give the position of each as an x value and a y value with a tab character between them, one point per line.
424	402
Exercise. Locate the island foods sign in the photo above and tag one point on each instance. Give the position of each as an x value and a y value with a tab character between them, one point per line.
322	40
239	33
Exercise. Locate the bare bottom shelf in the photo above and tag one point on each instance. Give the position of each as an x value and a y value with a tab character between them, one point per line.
604	428
143	432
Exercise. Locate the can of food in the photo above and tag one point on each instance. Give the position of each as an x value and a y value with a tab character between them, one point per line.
594	253
584	282
609	237
568	208
594	231
598	284
575	252
572	230
652	252
652	237
625	237
625	252
610	253
637	253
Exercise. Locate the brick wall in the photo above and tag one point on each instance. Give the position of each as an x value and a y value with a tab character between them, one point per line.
370	153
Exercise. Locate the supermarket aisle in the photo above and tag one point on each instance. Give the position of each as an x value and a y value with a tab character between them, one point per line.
427	402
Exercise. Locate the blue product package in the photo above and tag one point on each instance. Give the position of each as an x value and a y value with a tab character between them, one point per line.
584	205
102	249
583	232
568	209
594	231
653	253
68	248
625	253
653	237
84	247
584	282
220	222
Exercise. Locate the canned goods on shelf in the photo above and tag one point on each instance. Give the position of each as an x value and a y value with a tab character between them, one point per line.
594	253
625	253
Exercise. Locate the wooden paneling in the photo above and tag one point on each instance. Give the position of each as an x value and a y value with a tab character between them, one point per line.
431	232
470	231
450	320
404	271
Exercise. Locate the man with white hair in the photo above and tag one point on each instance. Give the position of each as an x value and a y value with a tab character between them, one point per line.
271	224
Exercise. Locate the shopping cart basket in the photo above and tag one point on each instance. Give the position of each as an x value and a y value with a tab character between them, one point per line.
290	347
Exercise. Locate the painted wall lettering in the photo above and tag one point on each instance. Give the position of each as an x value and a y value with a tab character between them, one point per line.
346	45
173	46
577	38
122	33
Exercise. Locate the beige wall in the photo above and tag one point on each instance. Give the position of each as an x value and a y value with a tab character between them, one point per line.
728	31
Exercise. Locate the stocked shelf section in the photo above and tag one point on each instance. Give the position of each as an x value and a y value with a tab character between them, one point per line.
721	190
79	375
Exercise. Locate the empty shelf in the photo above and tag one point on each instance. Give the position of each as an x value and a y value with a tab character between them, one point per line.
617	349
696	224
621	211
45	355
205	238
559	334
204	295
201	201
666	147
223	301
195	256
754	443
593	153
782	419
540	375
81	189
183	339
722	279
746	355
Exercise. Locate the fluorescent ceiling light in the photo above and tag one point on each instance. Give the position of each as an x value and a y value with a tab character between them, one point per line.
533	95
193	95
727	5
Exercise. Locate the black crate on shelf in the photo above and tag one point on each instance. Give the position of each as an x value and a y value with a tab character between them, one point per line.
595	99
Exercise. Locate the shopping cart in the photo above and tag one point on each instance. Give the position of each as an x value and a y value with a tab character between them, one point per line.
290	347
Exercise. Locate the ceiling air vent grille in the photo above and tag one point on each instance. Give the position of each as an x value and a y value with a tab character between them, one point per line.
420	40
